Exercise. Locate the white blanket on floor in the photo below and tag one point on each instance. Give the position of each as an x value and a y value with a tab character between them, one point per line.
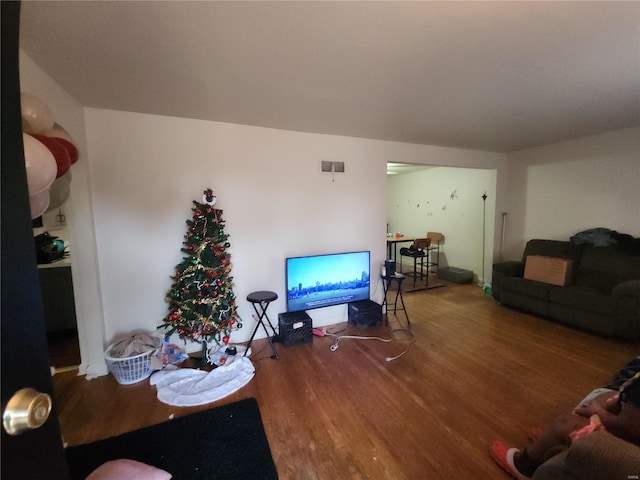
187	387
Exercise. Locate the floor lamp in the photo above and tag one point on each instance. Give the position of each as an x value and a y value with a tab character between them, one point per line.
484	219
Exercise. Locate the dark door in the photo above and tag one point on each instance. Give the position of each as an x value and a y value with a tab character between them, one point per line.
37	453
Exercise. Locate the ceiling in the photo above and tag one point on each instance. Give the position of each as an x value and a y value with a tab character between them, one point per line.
496	76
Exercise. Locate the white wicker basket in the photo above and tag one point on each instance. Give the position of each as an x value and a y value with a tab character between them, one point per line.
128	370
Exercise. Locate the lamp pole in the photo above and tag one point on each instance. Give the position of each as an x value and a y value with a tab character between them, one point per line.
484	211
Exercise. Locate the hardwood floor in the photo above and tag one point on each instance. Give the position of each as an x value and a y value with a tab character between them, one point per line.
64	350
476	372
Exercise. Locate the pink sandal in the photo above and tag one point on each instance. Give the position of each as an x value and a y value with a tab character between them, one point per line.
503	455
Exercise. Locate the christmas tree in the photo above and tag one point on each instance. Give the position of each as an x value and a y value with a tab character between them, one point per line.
201	300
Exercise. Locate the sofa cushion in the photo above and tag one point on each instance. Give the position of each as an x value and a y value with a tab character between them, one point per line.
589	320
603	282
530	288
527	295
535	306
583	298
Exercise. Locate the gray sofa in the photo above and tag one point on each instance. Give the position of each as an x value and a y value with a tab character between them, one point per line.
602	294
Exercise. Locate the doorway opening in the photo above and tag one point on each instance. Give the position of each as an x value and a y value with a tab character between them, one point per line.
57	295
458	202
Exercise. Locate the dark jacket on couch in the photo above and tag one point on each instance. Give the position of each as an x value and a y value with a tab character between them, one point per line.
602	293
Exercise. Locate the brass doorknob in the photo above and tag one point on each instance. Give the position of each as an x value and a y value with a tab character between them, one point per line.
28	409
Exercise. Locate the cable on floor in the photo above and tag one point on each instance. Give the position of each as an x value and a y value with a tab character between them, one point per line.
336	343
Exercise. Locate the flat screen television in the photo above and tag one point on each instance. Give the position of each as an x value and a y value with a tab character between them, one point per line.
318	281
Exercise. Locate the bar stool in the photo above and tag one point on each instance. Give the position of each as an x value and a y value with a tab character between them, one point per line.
436	238
386	282
260	301
418	251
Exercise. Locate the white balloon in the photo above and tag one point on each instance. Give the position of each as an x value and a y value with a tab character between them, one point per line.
39	203
40	163
36	116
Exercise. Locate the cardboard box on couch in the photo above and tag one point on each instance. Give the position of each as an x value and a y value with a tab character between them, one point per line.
552	270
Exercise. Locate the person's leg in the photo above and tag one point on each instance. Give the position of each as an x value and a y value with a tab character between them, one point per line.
550	441
555	433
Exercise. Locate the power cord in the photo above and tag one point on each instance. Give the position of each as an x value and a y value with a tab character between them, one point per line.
336	343
413	340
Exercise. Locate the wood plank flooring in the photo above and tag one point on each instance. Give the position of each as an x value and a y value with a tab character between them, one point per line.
64	350
476	372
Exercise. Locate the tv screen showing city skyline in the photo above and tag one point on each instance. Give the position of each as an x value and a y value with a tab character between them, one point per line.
324	280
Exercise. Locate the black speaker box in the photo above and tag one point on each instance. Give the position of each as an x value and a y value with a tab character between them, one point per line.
390	268
295	328
364	314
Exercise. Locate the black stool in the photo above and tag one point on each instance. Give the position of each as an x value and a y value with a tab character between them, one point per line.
386	282
419	250
262	299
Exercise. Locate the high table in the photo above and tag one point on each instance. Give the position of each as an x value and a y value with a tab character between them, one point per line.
392	245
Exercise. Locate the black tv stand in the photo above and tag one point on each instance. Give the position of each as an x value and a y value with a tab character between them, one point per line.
364	314
295	328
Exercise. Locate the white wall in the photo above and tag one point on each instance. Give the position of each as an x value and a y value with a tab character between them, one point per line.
146	170
448	200
558	190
